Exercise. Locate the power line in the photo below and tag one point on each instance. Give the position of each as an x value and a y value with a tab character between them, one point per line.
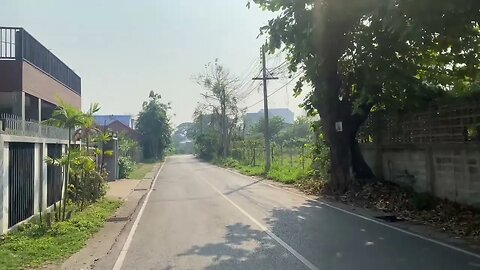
281	65
245	79
253	88
277	90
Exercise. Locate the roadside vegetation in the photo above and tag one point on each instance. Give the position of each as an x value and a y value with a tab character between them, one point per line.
55	235
153	124
141	169
36	244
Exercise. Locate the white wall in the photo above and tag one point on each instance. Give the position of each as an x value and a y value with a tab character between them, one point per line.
445	170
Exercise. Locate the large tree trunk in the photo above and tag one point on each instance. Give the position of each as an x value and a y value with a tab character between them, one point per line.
332	93
340	146
361	169
340	125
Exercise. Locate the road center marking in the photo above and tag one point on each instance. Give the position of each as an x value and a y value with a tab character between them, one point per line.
123	253
306	262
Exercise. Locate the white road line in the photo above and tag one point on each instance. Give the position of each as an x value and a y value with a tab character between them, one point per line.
306	262
126	246
369	219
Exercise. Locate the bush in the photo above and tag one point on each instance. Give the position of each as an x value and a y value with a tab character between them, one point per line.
125	166
231	163
206	146
321	161
36	244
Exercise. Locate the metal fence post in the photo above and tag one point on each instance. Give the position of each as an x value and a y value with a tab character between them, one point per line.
272	155
303	157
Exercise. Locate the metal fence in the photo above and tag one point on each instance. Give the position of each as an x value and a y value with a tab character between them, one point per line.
16	43
20	182
14	125
293	156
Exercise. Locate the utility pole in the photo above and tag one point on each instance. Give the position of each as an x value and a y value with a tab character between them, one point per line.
265	78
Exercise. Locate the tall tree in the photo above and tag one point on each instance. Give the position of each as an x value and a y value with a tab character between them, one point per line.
275	125
154	125
220	101
360	55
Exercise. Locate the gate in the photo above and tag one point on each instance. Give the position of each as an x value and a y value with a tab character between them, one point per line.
21	182
54	175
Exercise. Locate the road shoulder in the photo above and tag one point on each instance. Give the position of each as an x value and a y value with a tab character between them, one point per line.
132	193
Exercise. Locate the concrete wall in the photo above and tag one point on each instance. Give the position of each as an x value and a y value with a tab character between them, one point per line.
450	171
43	86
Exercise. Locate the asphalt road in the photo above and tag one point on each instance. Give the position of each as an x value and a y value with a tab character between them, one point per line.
202	217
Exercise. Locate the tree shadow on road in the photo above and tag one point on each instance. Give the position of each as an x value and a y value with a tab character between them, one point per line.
245	247
324	236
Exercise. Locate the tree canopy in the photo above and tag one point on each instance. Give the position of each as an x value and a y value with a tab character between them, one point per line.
218	110
154	125
373	54
275	125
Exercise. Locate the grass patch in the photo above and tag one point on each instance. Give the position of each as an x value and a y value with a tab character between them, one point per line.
140	170
287	175
284	174
34	245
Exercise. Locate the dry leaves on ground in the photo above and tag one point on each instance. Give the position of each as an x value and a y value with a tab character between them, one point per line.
461	220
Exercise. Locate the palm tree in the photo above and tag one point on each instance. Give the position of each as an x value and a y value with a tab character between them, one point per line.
102	139
69	117
88	127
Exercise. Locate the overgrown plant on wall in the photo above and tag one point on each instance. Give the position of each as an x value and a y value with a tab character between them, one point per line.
84	179
69	117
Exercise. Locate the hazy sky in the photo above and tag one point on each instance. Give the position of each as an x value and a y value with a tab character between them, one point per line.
124	49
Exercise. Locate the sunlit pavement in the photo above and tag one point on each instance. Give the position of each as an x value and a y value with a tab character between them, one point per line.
202	217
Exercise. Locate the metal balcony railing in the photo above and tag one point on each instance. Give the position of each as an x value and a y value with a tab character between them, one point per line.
13	125
18	44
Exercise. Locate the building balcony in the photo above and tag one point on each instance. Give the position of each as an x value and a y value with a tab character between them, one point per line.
13	125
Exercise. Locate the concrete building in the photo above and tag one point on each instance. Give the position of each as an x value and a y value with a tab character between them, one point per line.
285	113
32	80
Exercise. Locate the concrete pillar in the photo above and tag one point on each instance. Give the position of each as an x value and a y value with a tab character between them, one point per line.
37	192
4	181
23	105
40	116
43	204
22	101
